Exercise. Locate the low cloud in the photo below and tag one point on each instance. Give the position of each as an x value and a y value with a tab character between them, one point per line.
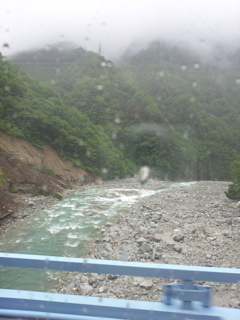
118	24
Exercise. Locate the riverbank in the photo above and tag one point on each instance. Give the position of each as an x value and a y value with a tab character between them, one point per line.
29	205
192	225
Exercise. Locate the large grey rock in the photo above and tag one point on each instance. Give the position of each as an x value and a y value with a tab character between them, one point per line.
157	255
83	279
141	240
68	291
114	236
114	229
86	288
157	237
112	276
142	230
177	248
93	278
178	237
145	247
108	247
146	284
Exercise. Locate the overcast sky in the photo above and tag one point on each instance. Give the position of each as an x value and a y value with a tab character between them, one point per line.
117	23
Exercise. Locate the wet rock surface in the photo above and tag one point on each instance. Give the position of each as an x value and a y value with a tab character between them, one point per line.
191	225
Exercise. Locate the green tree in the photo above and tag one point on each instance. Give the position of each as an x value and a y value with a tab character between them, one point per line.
234	188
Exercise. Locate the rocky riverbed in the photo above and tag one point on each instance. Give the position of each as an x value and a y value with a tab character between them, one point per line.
192	225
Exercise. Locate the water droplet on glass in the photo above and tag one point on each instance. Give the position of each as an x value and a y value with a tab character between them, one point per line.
47	48
82	177
117	120
45	188
52	82
194	84
86	38
41	306
196	66
60	49
192	100
58	70
77	205
109	65
121	146
183	67
103	64
159	98
85	310
88	153
80	142
144	173
114	135
104	170
99	87
7	88
124	256
161	74
191	116
238	81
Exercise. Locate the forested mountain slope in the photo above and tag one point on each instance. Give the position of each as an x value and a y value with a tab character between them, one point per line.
200	100
35	112
91	85
166	109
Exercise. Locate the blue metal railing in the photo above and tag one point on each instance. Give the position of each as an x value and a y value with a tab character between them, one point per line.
185	301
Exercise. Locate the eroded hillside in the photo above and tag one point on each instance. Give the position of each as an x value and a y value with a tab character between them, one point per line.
28	169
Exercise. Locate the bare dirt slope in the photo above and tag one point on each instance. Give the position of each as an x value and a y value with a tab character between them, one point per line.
29	169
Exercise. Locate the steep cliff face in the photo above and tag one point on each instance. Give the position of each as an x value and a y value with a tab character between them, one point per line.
28	169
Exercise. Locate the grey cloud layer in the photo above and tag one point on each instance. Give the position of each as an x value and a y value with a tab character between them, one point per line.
116	24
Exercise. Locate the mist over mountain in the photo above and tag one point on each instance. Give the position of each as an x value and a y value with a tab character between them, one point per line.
162	107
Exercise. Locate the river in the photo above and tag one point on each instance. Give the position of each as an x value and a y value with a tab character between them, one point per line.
65	229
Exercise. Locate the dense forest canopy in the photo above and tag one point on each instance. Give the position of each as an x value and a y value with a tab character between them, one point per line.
164	108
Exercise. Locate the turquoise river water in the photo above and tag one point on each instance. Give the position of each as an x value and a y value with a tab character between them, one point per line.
64	229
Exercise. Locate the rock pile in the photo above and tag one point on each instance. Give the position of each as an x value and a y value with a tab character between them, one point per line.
191	225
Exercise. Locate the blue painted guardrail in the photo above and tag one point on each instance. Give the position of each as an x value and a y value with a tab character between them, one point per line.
185	301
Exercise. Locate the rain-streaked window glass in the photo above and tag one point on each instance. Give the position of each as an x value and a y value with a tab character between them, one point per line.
120	141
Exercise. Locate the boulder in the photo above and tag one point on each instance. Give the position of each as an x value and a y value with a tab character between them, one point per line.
86	288
141	240
145	247
142	230
146	284
177	248
178	237
157	237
